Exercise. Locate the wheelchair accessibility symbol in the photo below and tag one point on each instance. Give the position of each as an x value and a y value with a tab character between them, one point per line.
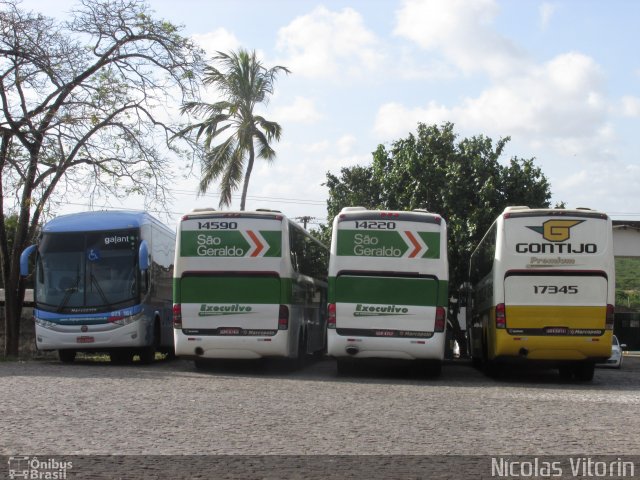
93	255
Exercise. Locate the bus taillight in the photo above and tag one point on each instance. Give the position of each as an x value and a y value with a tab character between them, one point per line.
283	318
501	316
610	317
177	315
441	319
331	321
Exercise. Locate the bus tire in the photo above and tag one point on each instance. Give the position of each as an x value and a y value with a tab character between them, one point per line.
433	368
67	356
344	366
147	355
476	362
566	372
121	357
492	369
584	371
200	363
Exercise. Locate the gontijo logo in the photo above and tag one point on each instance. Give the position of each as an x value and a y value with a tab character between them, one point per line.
556	230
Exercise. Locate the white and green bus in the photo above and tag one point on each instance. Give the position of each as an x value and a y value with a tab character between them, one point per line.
248	285
543	290
388	286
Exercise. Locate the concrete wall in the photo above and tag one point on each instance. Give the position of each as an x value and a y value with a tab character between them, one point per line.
626	241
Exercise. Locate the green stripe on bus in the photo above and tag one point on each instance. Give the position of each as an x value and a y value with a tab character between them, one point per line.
367	243
202	289
200	243
376	290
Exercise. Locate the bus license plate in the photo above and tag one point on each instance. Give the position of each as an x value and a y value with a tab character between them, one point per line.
229	331
85	339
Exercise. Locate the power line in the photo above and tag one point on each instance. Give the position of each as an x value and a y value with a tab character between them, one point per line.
305	201
317	221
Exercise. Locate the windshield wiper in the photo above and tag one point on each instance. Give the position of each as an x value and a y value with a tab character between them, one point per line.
67	296
94	281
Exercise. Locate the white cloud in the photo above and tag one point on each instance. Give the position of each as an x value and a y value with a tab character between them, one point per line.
459	30
563	98
329	44
630	106
546	12
220	40
302	110
345	144
318	147
591	186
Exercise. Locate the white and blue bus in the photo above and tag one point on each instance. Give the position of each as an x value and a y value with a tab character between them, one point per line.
102	283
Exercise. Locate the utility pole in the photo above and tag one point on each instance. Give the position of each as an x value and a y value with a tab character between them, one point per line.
305	220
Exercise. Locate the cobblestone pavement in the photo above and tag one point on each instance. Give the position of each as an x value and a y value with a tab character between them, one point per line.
171	408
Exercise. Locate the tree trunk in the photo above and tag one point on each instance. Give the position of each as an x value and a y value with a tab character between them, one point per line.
247	176
13	295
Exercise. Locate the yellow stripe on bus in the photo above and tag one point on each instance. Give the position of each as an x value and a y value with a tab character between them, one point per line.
555	316
552	347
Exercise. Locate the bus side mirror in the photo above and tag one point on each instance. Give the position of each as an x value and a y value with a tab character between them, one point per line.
143	256
24	260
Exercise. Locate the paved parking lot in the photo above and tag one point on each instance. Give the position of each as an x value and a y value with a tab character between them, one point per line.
170	408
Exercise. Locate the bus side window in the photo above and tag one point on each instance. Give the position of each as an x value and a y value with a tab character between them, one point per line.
297	248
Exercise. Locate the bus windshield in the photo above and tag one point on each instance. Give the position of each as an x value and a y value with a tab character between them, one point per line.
87	271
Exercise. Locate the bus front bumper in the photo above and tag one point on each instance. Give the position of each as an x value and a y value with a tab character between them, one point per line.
103	336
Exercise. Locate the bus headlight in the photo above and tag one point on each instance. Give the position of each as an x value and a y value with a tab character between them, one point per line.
125	320
44	323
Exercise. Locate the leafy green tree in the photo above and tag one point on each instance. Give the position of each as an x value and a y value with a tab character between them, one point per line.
460	179
82	110
355	186
243	82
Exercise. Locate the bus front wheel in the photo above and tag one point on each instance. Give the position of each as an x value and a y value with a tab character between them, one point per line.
147	355
121	357
67	356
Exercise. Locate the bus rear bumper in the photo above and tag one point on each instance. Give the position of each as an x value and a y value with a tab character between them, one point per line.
231	347
554	348
384	347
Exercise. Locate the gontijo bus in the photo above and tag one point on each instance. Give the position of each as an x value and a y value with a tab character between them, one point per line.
103	283
248	285
388	286
543	290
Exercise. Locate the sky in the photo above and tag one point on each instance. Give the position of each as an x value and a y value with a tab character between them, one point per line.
560	78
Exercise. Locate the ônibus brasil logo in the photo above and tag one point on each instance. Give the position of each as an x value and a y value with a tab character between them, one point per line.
556	230
216	310
379	310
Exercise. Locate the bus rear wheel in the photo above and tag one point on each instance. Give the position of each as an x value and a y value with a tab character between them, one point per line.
67	356
429	368
584	371
345	365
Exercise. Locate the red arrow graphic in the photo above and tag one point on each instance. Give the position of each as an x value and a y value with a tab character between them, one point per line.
417	246
259	245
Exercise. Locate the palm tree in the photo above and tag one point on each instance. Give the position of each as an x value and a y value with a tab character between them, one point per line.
243	82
